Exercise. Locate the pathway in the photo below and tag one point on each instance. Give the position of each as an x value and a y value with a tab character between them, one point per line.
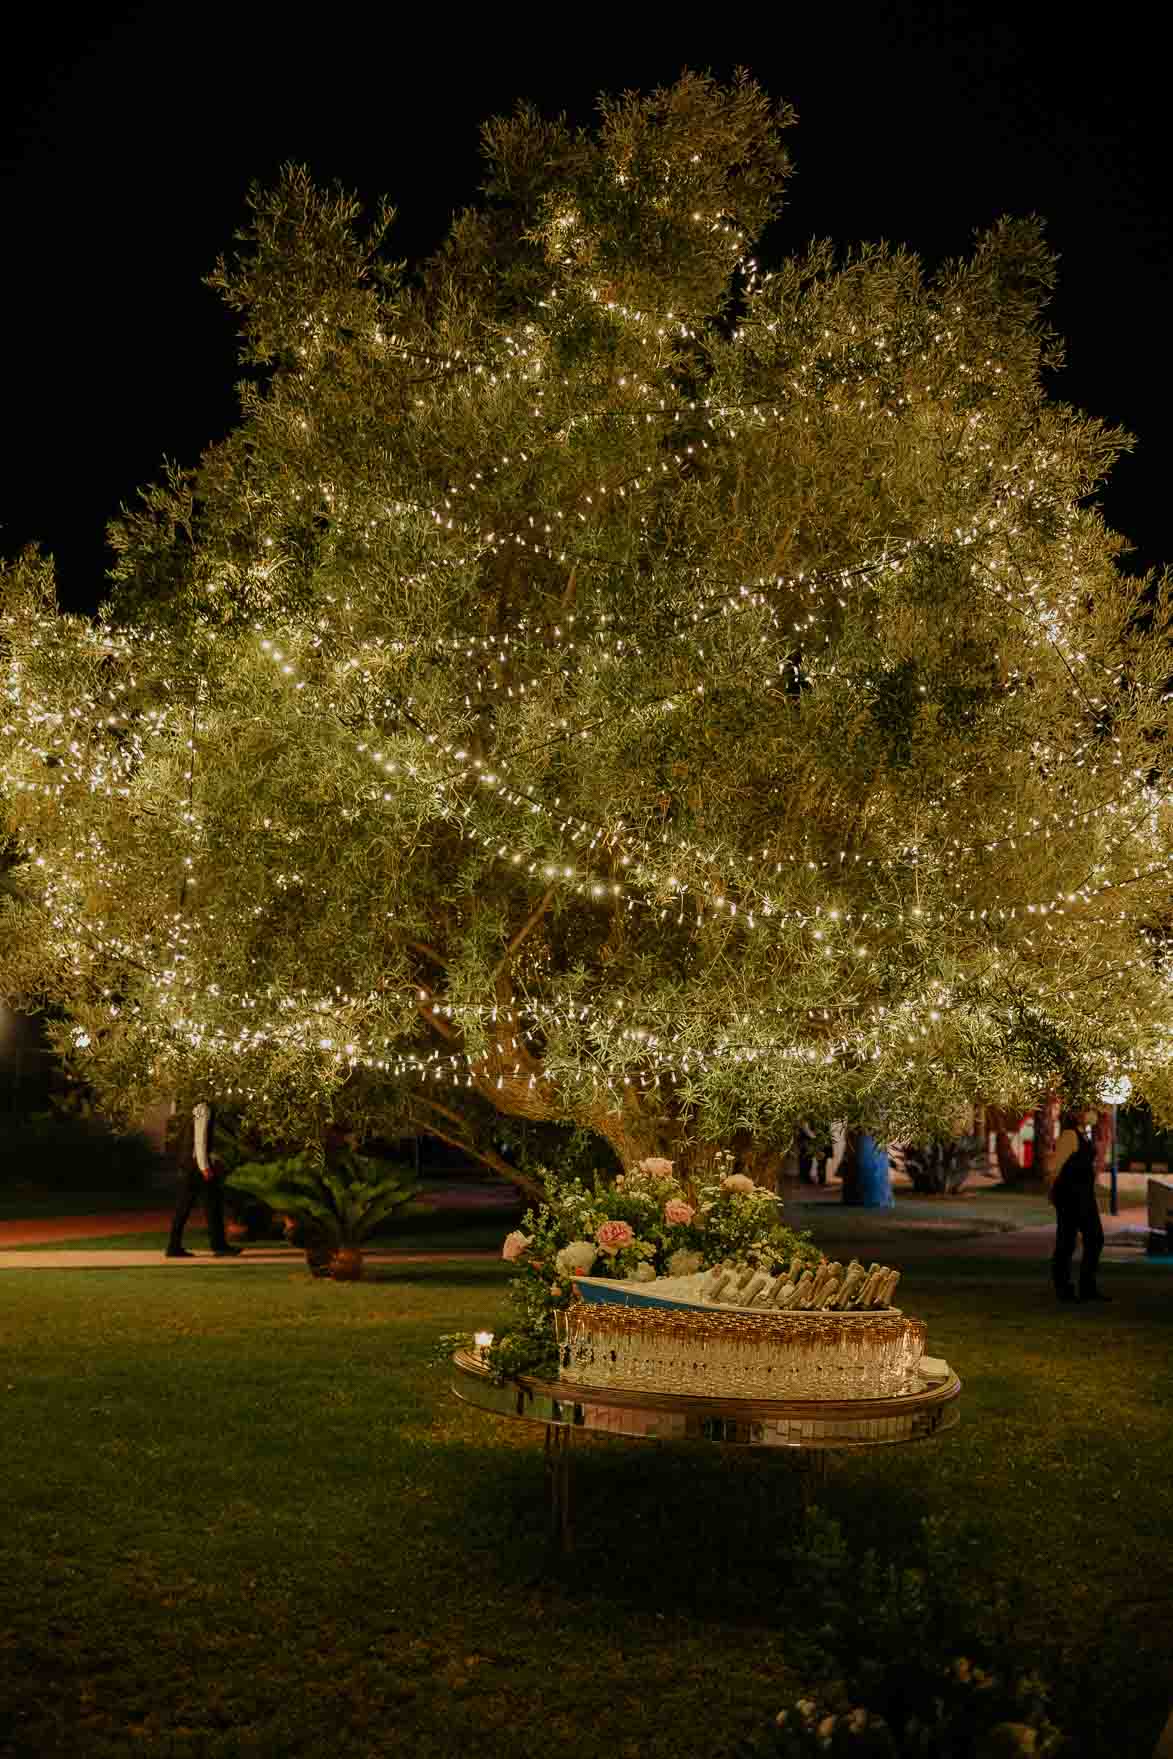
44	1230
131	1258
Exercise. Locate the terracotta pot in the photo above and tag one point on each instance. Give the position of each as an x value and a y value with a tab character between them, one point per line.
319	1258
347	1264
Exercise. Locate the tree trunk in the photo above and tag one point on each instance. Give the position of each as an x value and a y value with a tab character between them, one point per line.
514	1082
1013	1173
1046	1136
1009	1166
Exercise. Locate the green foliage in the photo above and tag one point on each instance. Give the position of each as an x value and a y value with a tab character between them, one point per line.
606	682
913	1661
575	1150
343	1198
944	1163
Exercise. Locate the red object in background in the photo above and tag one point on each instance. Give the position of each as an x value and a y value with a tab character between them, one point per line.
1028	1154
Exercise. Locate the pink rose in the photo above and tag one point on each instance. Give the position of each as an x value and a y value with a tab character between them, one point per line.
515	1244
737	1182
613	1236
656	1167
678	1212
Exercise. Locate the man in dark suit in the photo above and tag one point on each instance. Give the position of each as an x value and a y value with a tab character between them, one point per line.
1076	1211
201	1179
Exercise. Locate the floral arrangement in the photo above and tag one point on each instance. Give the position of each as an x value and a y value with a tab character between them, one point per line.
642	1225
968	1710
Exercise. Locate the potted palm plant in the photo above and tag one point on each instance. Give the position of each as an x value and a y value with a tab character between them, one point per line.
339	1202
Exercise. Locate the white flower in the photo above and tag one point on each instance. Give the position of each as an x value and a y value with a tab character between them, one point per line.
683	1263
577	1259
643	1273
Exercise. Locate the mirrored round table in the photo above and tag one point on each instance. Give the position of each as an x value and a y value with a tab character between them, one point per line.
807	1429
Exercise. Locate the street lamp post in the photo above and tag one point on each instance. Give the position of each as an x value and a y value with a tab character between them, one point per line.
1112	1094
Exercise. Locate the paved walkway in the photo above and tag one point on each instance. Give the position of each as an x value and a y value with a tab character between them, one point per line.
43	1231
946	1227
131	1258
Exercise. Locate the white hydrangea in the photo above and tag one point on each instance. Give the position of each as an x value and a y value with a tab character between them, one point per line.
643	1273
577	1259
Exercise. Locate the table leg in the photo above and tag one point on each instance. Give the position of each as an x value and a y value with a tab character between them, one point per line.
557	1463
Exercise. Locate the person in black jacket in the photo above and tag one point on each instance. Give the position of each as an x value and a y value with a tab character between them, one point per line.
201	1179
1076	1212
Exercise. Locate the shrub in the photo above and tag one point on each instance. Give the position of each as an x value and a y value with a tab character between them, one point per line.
341	1200
944	1164
910	1661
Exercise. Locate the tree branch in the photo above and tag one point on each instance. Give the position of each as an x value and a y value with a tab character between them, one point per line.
487	1156
428	953
531	922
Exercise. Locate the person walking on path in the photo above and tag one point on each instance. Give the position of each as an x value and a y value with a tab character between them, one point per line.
1076	1212
201	1178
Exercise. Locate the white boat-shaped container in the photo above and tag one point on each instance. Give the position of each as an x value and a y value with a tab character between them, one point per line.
689	1293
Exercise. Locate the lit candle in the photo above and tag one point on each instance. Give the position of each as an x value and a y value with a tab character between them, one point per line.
482	1340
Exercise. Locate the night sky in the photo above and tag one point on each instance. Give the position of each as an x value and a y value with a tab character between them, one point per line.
126	149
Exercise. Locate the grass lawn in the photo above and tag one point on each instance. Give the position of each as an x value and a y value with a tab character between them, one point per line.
246	1517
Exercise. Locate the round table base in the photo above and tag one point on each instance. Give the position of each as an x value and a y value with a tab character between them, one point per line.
807	1429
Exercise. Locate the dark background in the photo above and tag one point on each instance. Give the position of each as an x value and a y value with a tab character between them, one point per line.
129	135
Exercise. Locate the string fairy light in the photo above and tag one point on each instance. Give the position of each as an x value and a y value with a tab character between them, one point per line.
818	905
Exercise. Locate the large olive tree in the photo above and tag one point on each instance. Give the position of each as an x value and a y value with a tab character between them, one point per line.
601	681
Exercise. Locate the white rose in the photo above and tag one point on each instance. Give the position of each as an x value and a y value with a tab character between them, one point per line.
643	1273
